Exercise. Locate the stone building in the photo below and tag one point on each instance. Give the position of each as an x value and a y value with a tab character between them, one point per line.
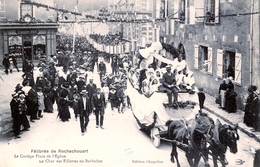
27	31
220	39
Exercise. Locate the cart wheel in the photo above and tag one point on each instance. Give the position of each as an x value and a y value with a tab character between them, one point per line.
156	141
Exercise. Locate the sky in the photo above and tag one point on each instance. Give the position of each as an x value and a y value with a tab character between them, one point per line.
83	5
12	7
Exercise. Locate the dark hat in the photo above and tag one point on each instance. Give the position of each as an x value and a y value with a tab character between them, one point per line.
200	89
19	87
254	88
66	84
39	88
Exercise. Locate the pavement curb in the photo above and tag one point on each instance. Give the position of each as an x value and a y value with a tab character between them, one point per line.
250	134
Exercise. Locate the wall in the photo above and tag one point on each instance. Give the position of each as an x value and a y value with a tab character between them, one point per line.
12	8
256	45
201	34
1	48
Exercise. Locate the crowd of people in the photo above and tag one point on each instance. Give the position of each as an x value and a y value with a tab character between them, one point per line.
67	80
170	79
227	102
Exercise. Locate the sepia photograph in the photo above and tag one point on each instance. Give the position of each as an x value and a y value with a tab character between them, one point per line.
130	83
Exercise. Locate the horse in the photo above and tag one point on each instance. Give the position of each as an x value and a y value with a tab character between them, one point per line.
191	137
223	136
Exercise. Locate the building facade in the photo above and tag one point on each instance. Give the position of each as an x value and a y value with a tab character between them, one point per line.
220	38
140	33
26	31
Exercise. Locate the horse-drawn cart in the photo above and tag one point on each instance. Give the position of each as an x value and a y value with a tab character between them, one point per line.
151	114
198	130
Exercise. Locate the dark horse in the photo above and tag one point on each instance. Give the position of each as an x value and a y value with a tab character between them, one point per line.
223	136
191	137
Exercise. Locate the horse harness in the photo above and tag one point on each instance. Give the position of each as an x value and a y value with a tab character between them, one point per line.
195	125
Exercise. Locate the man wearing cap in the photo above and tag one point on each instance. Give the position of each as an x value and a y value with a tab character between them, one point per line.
169	82
84	110
14	104
91	87
98	103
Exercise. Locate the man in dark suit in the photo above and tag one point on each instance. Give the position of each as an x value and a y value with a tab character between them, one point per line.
169	82
84	110
91	87
98	103
15	115
6	63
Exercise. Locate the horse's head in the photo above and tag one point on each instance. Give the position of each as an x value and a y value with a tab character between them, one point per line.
230	138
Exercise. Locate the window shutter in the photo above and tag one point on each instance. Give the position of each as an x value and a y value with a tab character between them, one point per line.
176	8
157	9
196	57
238	66
210	60
192	15
220	63
199	11
172	21
167	27
216	11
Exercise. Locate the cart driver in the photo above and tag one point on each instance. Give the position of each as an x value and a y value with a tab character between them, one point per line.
169	82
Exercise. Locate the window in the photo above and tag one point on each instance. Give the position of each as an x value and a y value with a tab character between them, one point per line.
211	11
182	11
199	11
203	58
162	10
229	64
157	9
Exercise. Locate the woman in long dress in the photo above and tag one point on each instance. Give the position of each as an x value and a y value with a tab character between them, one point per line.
248	114
64	112
231	105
